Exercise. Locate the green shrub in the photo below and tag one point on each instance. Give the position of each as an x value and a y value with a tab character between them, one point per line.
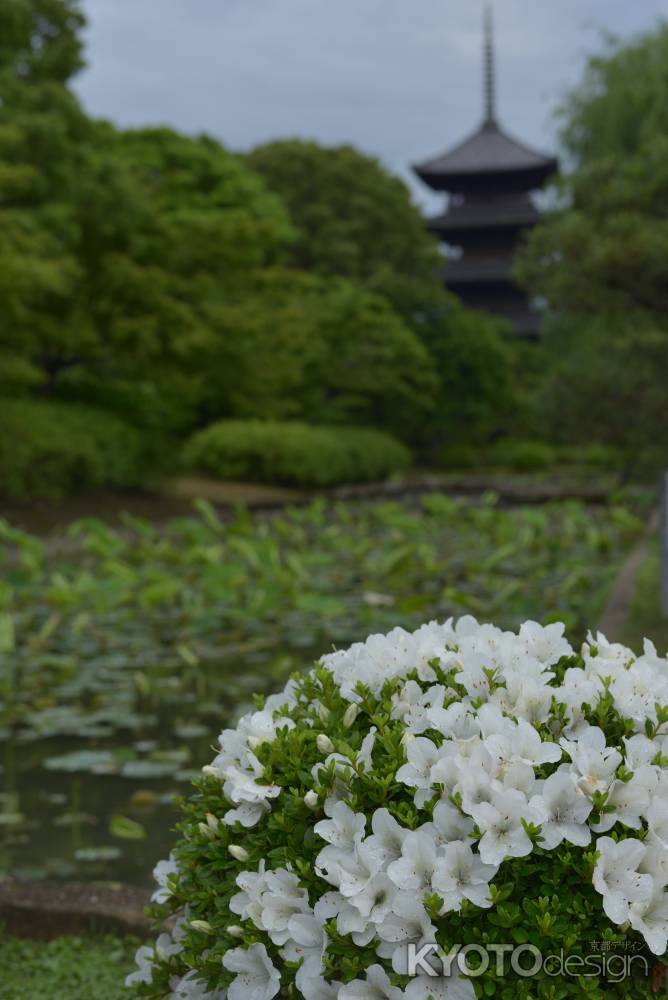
48	450
461	456
524	456
294	453
491	801
597	456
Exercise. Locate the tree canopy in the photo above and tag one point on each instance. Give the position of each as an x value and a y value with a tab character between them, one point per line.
41	39
170	281
601	260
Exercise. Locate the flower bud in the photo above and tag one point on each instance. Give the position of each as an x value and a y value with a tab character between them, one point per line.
324	713
407	738
238	852
201	925
311	799
210	771
235	931
350	715
206	831
213	822
324	743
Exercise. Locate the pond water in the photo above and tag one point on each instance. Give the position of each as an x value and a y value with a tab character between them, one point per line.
96	808
125	651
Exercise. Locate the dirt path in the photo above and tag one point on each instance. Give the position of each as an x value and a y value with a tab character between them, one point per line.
175	498
616	613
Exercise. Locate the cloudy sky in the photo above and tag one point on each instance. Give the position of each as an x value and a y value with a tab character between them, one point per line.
399	78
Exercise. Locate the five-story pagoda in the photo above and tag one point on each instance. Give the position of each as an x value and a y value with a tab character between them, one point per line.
489	177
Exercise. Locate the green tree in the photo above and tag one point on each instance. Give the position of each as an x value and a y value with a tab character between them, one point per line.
353	218
40	39
295	345
601	260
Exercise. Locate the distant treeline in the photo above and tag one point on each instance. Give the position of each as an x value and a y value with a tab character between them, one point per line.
162	283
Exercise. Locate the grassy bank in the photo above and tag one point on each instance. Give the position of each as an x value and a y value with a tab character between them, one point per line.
645	612
69	968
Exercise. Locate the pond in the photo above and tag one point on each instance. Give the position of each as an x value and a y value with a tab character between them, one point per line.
124	651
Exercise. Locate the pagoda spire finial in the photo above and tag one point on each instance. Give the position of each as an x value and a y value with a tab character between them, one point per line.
490	81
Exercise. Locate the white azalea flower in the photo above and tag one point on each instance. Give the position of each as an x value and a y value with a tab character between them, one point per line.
257	978
388	836
545	643
637	690
417	714
282	898
528	697
628	801
448	824
247	903
349	870
163	873
145	960
649	916
408	923
422	754
375	900
307	943
415	868
344	827
452	987
500	822
617	879
456	722
639	750
655	862
577	690
522	745
248	814
376	986
409	696
562	812
349	920
460	875
261	727
593	763
657	822
318	988
190	988
476	786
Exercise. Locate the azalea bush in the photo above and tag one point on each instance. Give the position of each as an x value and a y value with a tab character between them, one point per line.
454	793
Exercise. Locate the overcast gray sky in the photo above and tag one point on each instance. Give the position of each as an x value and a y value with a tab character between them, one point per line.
398	78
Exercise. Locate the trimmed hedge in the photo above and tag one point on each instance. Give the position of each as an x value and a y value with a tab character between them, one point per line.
294	454
48	450
528	456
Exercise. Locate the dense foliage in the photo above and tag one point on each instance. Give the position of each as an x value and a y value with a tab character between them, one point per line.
164	279
462	793
354	220
601	259
70	968
52	449
294	454
121	648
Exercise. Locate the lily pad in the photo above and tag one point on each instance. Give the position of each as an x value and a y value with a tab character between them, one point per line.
88	761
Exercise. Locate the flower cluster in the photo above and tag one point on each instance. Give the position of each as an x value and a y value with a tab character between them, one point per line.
459	785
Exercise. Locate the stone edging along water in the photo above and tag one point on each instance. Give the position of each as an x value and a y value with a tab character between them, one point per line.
45	910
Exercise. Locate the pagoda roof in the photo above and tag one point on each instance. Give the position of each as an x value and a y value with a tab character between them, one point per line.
489	153
507	212
463	271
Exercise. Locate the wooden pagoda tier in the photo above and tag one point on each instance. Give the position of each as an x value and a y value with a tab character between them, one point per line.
489	177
